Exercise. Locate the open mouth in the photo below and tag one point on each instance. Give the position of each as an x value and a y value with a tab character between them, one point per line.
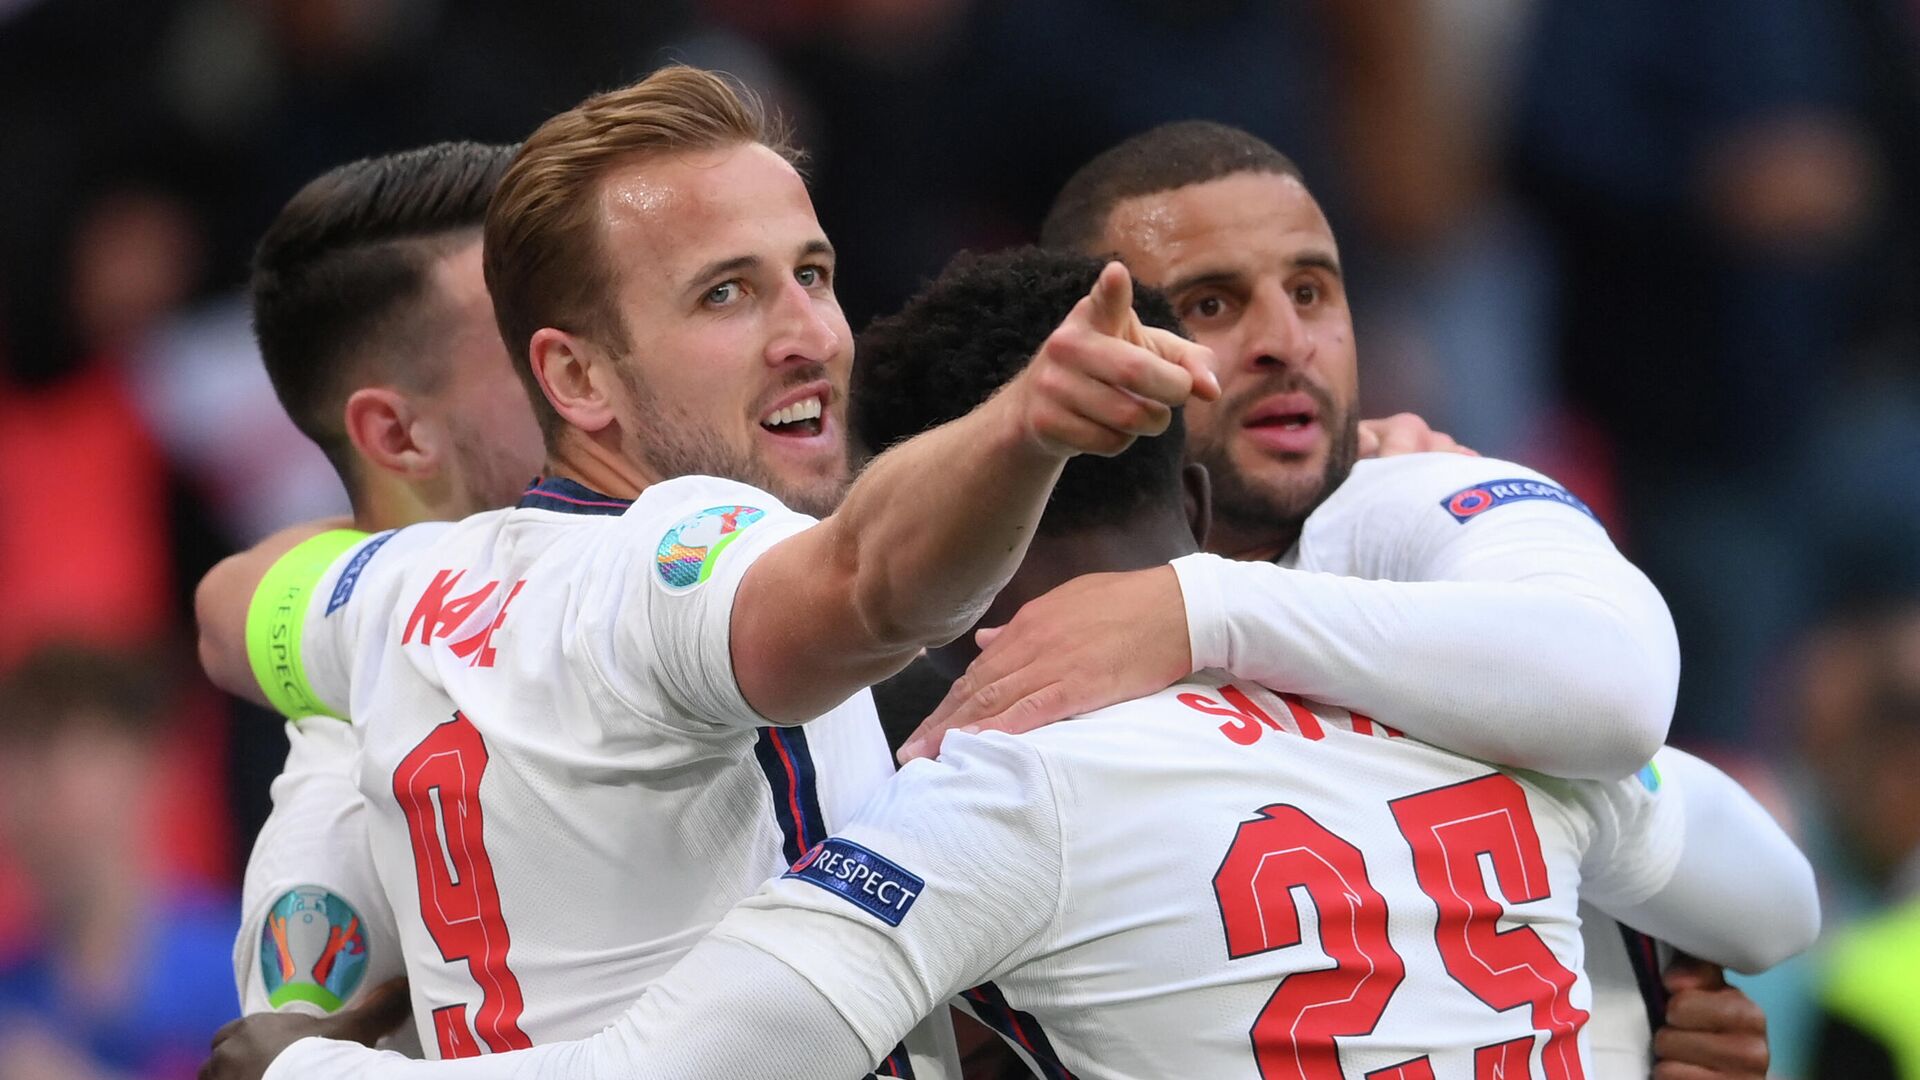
1285	423
800	419
1294	421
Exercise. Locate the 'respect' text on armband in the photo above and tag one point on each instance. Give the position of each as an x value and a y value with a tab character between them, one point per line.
276	620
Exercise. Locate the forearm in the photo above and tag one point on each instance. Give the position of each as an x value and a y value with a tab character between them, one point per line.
727	1010
924	540
1743	896
1531	674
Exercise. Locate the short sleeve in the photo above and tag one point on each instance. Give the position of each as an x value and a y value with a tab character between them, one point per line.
664	606
1639	829
1448	517
310	610
949	876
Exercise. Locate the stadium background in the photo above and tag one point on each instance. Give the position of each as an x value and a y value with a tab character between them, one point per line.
1667	252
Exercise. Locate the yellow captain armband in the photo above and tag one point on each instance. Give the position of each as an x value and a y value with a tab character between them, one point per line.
278	616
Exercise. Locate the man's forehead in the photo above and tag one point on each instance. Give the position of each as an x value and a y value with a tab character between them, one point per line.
1238	221
679	211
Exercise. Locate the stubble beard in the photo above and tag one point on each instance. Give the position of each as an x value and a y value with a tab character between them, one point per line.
671	443
1264	515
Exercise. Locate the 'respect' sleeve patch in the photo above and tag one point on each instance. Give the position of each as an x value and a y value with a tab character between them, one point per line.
1469	503
867	880
350	577
690	550
313	948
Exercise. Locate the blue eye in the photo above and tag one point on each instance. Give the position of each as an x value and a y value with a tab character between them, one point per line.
724	293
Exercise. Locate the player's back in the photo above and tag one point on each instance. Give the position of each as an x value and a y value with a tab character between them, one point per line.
564	788
1253	886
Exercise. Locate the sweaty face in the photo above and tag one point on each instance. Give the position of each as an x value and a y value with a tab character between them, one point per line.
1250	264
739	353
495	439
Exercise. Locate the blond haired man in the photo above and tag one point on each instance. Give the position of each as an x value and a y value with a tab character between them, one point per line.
581	741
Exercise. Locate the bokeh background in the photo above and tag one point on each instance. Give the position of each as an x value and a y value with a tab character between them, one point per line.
1667	251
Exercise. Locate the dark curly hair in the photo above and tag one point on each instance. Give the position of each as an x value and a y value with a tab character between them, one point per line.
974	328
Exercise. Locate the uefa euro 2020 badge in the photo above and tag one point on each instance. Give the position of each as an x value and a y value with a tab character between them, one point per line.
688	553
312	949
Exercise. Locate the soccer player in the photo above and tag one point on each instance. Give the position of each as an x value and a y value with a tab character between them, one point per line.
376	329
1215	880
1496	617
575	755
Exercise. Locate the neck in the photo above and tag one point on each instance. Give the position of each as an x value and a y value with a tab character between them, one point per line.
1250	545
1140	545
594	460
385	501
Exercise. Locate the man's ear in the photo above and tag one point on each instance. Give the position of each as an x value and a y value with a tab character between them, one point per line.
1198	488
575	375
389	431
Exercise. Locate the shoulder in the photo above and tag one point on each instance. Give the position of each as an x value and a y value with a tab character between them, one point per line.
687	522
671	500
1392	510
1425	480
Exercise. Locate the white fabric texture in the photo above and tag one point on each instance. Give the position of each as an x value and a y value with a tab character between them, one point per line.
1519	636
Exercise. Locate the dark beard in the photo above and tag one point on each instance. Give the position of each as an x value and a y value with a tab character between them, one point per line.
1275	517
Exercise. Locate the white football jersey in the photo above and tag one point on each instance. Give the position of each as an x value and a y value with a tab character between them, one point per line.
1407	518
1217	881
564	785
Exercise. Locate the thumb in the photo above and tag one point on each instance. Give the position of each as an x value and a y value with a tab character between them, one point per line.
1110	309
984	636
383	1010
1688	973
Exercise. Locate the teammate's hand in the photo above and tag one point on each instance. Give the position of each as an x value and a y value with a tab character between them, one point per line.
1713	1031
1095	641
1102	378
244	1048
1405	433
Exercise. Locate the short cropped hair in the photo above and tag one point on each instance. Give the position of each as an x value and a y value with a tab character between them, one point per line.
1165	158
971	331
545	262
349	255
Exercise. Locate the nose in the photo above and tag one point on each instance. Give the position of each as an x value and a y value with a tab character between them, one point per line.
806	327
1276	335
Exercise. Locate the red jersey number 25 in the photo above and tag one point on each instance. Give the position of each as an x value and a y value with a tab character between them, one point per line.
1448	829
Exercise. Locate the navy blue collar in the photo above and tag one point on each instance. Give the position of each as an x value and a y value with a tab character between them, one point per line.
564	496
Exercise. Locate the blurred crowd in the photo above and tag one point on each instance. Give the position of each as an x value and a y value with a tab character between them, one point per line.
1666	252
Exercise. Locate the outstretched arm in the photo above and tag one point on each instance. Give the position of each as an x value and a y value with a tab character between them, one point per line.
1741	895
934	527
1514	633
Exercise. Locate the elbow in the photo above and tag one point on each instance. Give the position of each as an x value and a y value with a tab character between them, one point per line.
1793	922
1628	702
217	642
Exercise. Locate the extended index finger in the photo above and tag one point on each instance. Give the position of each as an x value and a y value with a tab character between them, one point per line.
1111	302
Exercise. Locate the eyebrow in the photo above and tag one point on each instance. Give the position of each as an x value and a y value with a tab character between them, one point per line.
1319	260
